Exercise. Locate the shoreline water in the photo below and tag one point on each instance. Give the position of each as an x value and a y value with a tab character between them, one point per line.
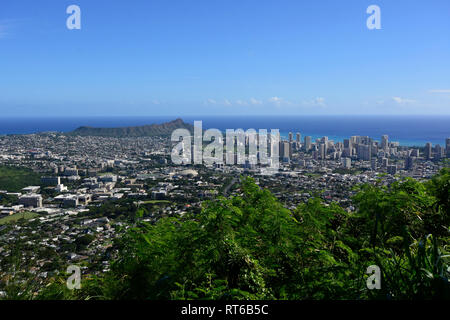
407	130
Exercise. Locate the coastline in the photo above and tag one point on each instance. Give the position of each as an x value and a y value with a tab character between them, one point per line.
407	130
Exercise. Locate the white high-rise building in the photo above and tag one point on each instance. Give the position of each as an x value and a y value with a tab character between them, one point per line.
308	143
347	162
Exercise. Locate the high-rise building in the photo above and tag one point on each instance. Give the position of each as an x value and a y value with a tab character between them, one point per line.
364	152
322	151
415	153
347	162
439	151
428	151
298	138
347	143
409	163
324	141
285	150
348	148
290	137
308	143
447	147
384	142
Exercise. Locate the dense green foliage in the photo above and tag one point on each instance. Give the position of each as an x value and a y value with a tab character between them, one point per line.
8	199
13	179
250	247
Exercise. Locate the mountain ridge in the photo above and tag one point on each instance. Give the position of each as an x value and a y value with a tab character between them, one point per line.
163	129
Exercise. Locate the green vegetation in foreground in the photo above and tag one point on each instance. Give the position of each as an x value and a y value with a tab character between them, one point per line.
250	247
16	217
14	179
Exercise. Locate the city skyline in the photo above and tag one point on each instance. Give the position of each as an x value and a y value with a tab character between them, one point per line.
426	128
212	58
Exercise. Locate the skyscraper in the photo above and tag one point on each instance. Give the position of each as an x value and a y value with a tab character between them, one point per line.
298	138
364	152
415	153
439	151
348	147
285	150
324	141
447	147
322	151
428	151
409	163
307	143
384	142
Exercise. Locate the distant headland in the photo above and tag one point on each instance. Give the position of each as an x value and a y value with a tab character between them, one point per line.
163	129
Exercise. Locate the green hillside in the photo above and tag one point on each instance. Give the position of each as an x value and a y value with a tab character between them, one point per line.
14	179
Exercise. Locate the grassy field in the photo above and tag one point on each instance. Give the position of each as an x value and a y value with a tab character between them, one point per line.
14	179
15	217
156	201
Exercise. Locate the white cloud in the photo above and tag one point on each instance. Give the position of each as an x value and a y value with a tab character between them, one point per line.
316	102
241	103
403	100
319	101
439	91
225	102
255	101
277	101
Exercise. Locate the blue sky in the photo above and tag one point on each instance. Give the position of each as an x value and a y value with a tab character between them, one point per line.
249	57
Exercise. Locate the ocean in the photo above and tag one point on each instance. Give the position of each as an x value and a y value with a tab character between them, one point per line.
408	130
